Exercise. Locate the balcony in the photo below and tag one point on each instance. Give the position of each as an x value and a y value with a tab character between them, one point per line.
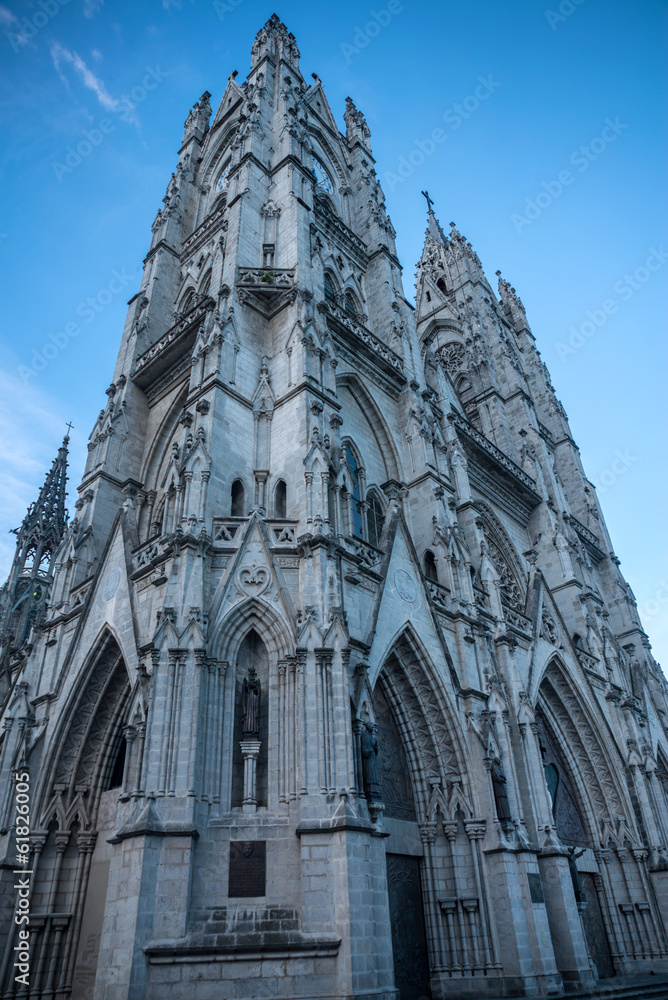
173	345
266	289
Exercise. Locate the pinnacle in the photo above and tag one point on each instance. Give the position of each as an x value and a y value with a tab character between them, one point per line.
274	38
434	230
274	24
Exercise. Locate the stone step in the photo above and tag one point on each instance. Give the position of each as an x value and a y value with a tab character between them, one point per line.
625	988
618	988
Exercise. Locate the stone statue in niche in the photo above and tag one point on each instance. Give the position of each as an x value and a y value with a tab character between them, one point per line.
250	708
499	782
370	763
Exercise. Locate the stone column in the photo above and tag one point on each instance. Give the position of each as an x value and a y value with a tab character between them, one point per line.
432	917
85	844
250	751
463	963
141	734
129	735
568	941
46	958
605	890
58	925
475	831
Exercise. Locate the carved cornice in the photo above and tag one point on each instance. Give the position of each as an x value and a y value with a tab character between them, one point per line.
363	345
171	345
336	231
494	473
203	232
590	540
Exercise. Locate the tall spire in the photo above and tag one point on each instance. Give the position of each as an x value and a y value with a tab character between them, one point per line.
26	592
434	230
46	519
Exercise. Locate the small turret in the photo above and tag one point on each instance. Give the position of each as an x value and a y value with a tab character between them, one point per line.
512	305
197	122
357	129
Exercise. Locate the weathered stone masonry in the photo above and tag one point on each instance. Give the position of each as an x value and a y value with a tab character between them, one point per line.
454	779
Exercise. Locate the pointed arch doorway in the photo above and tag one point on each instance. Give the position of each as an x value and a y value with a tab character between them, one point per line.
404	878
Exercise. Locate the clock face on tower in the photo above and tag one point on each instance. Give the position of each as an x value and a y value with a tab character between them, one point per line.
222	180
322	178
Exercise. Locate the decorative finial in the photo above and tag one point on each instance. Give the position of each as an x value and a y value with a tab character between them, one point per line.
429	201
69	428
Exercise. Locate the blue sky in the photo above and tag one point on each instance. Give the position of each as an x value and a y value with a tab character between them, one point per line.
556	176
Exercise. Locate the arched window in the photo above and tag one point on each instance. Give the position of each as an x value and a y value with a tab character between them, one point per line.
351	305
441	285
374	518
429	563
280	499
187	301
467	397
552	781
354	490
118	770
330	287
238	498
206	284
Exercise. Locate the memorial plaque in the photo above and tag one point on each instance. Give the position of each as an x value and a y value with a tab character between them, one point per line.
248	868
536	888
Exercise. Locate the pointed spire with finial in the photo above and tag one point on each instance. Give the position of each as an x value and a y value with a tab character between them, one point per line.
434	230
44	525
24	595
434	259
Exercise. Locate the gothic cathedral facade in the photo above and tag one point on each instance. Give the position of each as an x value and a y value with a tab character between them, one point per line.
339	690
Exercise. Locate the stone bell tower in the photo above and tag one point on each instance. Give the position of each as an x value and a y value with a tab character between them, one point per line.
339	690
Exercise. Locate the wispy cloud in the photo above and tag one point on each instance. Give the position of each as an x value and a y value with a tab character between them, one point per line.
59	55
91	7
10	25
